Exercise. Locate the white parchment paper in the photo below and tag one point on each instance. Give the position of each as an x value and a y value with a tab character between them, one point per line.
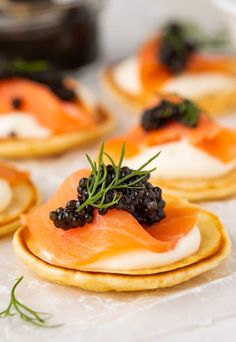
87	316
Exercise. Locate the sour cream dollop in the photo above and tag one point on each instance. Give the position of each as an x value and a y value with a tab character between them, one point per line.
127	76
144	259
180	159
21	125
196	85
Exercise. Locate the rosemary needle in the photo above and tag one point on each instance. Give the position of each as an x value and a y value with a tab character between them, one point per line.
15	307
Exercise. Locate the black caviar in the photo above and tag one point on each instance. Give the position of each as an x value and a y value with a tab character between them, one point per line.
47	75
16	102
175	48
144	201
184	112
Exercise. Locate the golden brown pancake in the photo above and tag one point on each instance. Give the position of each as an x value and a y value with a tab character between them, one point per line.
214	248
215	103
200	189
25	197
56	144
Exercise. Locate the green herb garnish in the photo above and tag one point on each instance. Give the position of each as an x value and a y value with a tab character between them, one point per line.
189	113
16	307
218	40
25	67
97	186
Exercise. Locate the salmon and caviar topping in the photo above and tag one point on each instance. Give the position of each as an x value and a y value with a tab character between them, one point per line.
174	51
39	101
171	118
112	186
111	231
40	91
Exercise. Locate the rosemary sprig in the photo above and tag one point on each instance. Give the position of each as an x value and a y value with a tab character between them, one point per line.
37	318
97	186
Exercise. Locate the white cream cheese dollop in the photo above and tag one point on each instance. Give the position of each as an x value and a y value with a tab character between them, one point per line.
144	259
199	84
126	75
23	125
181	160
5	194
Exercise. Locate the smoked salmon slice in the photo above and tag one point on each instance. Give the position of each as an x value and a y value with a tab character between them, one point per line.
217	141
38	100
12	175
154	75
108	234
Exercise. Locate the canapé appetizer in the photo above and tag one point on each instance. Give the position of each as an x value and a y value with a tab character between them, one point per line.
173	61
17	196
42	112
109	228
198	156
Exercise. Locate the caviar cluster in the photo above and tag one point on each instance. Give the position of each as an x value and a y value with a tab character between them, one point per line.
185	112
48	76
144	201
175	48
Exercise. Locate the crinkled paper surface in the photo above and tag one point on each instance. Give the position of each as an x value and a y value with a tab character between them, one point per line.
145	316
